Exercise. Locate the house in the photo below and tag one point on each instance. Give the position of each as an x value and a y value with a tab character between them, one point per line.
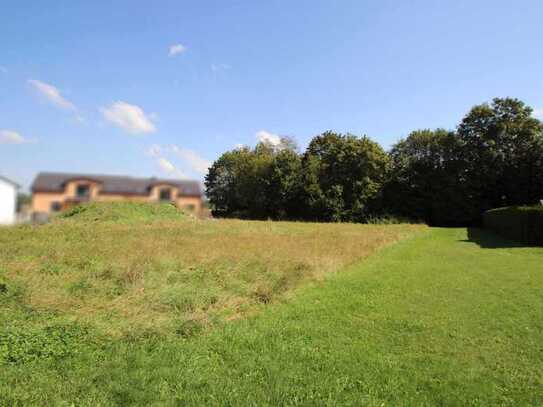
8	201
54	192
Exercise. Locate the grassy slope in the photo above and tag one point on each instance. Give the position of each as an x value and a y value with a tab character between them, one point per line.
432	320
135	269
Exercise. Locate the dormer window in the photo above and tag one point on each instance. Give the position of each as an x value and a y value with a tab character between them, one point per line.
83	191
166	194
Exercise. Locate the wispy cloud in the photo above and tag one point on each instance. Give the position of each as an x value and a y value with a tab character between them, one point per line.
51	94
165	165
192	159
130	118
538	113
12	137
178	160
176	49
264	136
169	168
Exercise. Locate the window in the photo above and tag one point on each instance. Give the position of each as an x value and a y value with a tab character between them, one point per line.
82	191
56	206
166	194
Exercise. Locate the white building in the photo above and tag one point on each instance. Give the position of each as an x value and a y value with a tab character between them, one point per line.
8	201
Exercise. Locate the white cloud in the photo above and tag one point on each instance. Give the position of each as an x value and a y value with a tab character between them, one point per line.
193	160
52	94
188	160
167	167
264	136
130	118
538	113
176	49
12	137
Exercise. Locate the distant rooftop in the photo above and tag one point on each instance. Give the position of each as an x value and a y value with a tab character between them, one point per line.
112	184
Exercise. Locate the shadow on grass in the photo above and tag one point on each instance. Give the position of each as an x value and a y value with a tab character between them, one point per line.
489	240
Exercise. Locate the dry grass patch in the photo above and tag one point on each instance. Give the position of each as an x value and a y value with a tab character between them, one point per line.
175	275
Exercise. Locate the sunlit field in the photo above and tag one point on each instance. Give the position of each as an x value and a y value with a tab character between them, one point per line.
158	308
133	269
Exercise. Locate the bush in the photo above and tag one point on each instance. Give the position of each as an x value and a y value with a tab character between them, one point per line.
520	223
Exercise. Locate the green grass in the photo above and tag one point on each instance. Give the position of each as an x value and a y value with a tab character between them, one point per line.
440	318
128	270
121	212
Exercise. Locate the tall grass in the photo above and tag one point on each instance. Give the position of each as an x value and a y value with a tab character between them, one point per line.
439	319
132	269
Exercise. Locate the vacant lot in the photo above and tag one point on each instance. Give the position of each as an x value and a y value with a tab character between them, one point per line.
127	269
445	317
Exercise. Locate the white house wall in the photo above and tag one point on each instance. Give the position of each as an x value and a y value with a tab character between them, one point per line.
8	197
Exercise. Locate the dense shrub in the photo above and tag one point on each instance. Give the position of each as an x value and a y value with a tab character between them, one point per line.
520	223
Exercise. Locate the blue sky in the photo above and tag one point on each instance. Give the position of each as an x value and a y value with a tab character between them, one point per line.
163	88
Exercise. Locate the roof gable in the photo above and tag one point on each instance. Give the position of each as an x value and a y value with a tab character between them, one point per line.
8	181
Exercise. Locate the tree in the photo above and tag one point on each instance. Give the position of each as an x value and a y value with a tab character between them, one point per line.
284	185
425	181
495	158
501	151
342	177
254	183
23	200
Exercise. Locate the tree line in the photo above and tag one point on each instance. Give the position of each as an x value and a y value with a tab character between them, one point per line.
494	158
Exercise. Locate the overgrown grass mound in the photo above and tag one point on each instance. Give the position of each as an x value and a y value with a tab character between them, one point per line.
122	212
127	269
521	223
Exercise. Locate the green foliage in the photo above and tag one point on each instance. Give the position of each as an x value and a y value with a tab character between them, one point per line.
23	200
424	182
339	178
22	345
521	223
121	212
258	184
343	176
493	159
502	156
388	219
283	183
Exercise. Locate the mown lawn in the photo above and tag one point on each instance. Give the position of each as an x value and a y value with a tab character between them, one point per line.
440	318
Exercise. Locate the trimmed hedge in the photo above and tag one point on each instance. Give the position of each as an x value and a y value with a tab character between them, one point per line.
521	223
